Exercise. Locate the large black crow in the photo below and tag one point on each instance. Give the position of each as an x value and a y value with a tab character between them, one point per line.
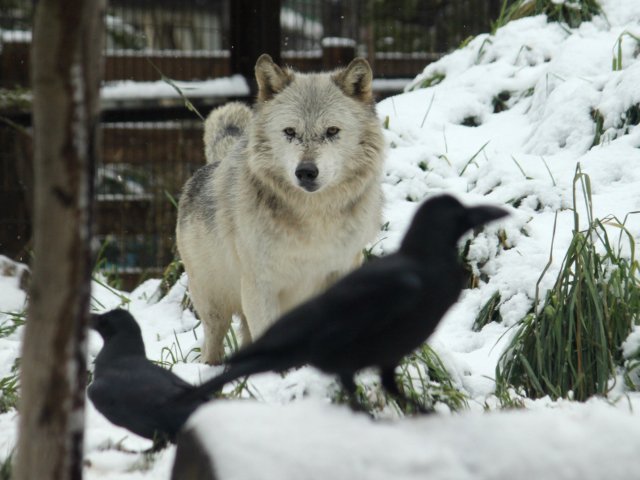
133	392
377	314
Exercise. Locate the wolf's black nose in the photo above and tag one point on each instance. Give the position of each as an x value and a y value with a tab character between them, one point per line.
306	172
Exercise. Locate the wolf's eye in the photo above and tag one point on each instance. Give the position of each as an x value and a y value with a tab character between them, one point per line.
332	131
290	132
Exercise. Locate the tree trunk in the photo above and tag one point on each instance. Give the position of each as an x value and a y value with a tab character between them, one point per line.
66	61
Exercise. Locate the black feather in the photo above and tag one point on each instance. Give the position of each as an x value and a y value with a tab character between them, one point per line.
132	392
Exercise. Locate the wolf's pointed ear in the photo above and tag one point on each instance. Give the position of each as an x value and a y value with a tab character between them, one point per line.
270	77
355	80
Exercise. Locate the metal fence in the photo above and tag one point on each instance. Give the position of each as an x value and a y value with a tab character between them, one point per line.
151	147
144	165
144	37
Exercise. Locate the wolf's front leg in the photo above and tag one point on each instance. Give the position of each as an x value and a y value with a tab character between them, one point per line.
214	312
215	327
260	305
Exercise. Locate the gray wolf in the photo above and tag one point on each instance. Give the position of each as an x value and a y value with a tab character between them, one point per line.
288	199
375	315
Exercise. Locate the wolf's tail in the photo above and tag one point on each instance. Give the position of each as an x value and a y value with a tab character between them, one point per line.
222	129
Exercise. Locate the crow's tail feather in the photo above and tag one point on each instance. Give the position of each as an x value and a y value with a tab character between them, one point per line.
234	372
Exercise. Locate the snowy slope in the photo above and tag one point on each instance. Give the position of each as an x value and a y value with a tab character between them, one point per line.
533	93
553	80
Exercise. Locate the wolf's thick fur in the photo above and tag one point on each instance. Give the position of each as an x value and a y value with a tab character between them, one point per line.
289	197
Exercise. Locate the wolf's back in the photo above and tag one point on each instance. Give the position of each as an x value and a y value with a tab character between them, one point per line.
223	127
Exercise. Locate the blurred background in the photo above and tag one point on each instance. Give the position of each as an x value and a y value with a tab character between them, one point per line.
169	62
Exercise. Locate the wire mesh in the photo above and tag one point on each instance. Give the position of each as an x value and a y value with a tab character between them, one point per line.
148	153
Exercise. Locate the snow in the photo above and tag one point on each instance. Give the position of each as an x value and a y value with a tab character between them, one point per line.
389	84
234	86
533	90
19	36
315	440
169	53
12	297
338	42
292	21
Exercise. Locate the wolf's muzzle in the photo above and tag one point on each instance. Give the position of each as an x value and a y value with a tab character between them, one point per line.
306	173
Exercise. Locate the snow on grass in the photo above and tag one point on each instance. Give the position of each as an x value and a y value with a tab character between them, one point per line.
505	121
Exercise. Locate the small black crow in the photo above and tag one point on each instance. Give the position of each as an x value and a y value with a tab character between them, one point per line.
377	314
133	392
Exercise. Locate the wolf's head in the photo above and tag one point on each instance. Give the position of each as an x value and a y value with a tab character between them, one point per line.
314	131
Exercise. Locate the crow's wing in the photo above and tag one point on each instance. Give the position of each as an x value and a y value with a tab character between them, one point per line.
370	298
141	397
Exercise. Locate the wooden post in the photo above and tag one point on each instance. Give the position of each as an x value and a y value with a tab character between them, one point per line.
14	64
65	67
254	29
337	52
339	24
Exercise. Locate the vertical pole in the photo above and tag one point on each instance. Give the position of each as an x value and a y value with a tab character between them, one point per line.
66	60
254	29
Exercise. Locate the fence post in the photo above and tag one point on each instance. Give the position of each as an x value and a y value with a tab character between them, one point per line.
14	64
337	52
341	24
254	29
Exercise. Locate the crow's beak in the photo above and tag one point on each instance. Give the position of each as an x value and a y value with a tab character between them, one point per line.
478	216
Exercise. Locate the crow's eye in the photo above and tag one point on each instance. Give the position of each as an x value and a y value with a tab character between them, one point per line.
332	131
290	132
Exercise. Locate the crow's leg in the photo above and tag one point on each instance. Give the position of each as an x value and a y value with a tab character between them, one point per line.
160	442
388	378
350	386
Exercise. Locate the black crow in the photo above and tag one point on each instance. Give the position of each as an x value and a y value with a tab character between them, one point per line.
133	392
377	314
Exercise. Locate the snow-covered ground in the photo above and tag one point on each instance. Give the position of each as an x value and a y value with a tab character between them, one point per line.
533	93
568	441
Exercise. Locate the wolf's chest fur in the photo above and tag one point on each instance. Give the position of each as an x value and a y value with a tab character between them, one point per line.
306	240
